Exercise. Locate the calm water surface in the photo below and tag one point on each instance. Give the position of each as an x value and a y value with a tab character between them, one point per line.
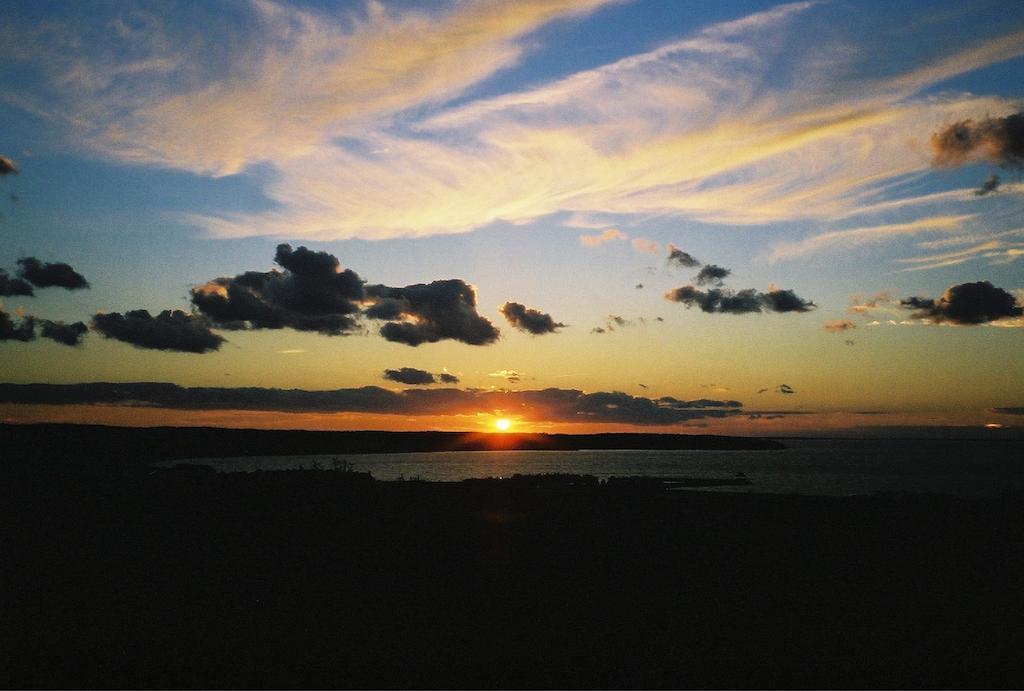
810	466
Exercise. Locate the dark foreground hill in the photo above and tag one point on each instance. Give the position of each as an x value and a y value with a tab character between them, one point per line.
126	576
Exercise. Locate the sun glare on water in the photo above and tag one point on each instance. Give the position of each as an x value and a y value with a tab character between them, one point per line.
503	424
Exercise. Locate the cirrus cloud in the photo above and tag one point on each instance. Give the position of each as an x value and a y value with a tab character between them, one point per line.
221	91
855	237
347	107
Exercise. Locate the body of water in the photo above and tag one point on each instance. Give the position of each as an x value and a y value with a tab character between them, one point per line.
806	466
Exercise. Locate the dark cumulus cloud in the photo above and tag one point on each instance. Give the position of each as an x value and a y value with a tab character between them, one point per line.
419	377
726	301
169	330
7	167
50	275
967	304
67	334
1015	410
639	410
746	301
711	274
310	293
560	405
14	286
677	257
409	375
999	140
23	329
529	320
990	185
431	312
779	300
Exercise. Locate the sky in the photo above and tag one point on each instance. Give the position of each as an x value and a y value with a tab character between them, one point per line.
575	215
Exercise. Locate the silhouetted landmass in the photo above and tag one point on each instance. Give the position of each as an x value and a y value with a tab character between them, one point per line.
160	443
118	574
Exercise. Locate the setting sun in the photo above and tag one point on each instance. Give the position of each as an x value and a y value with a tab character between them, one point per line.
503	424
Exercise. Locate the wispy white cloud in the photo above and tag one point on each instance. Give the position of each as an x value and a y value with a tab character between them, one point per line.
974	57
967	239
737	123
999	248
854	237
679	131
958	196
281	81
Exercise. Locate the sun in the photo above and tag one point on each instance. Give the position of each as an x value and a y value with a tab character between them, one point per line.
503	424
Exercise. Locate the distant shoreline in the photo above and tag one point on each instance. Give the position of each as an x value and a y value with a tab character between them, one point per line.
33	441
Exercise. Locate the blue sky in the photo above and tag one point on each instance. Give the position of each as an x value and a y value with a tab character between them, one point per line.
547	153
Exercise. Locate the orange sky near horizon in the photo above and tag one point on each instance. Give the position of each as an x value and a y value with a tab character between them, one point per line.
484	422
